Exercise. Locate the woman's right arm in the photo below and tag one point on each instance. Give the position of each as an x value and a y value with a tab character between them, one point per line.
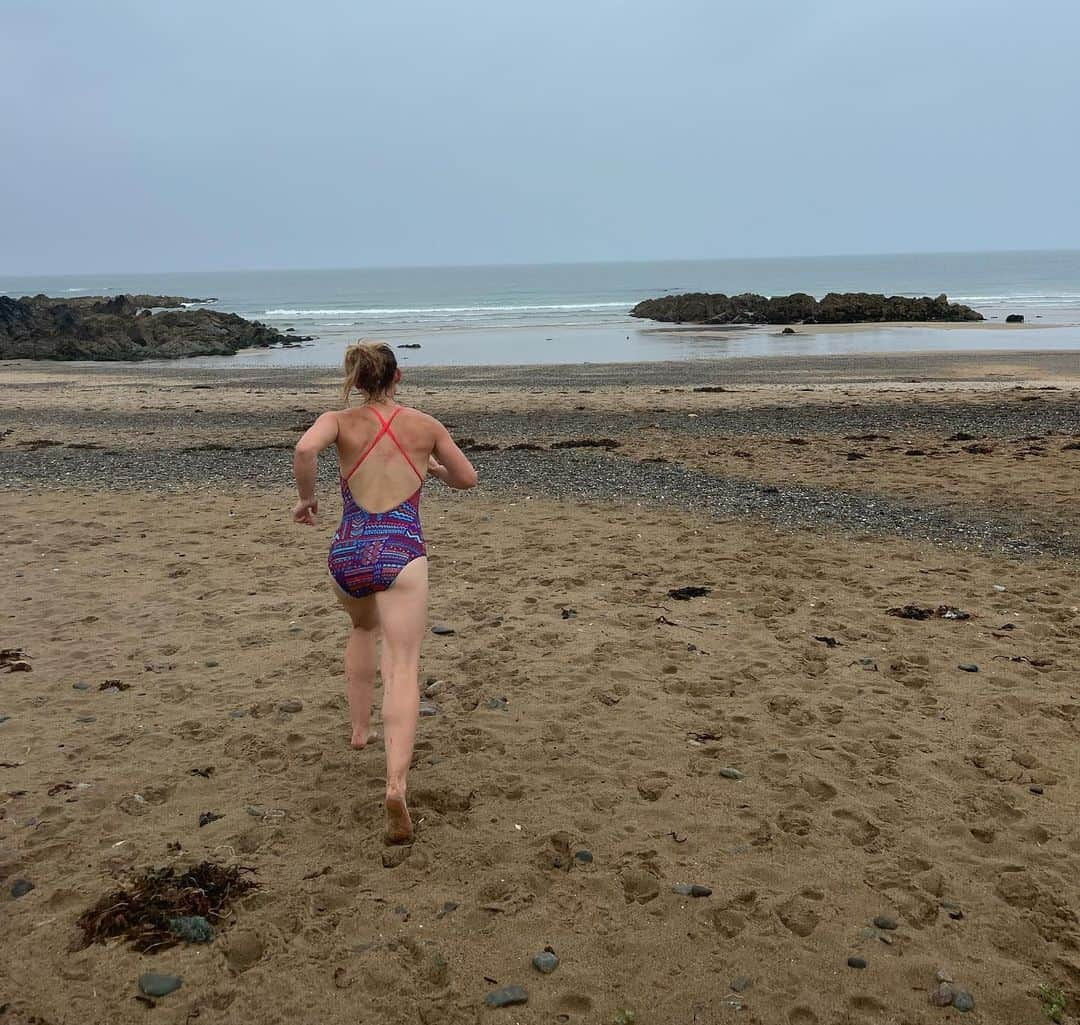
450	464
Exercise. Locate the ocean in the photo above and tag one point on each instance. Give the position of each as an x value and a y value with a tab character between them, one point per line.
578	313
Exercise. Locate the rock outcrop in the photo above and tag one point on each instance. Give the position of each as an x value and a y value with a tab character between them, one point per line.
799	308
125	327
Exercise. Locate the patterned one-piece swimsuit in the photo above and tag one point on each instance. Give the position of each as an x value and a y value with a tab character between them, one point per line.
370	549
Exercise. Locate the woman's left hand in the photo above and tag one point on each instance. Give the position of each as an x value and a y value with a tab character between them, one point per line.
305	511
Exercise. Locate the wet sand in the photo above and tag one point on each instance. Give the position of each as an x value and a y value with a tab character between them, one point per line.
579	706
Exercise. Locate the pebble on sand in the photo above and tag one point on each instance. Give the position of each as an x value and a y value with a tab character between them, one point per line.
691	890
964	1001
968	667
292	705
886	922
192	928
21	887
154	985
729	773
856	962
546	961
428	709
81	685
584	857
507	996
439	630
943	995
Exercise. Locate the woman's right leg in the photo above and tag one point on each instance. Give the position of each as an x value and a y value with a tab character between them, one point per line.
403	615
360	662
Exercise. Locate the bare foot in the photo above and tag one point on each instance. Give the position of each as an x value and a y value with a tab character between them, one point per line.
399	827
359	741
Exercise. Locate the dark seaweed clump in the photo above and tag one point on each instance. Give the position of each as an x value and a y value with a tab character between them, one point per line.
141	914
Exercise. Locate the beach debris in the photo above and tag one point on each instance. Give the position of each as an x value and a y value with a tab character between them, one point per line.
798	441
979	449
434	688
1054	1003
191	928
741	454
85	719
691	890
677	837
546	961
207	817
114	686
921	612
961	436
867	437
943	994
205	773
141	913
1036	790
711	388
964	1002
915	452
583	857
686	593
82	685
395	856
999	588
607	443
497	704
59	788
152	984
427	709
852	456
829	642
440	630
968	667
729	773
703	736
569	613
507	996
20	888
886	922
291	706
857	962
14	660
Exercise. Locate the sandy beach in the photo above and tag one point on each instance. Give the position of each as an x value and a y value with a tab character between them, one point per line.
784	741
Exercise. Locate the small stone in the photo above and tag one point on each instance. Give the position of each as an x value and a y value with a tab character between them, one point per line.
740	984
943	975
86	719
433	688
192	928
968	667
545	962
963	1002
507	996
450	905
82	685
238	713
943	995
292	705
296	629
207	817
886	922
998	587
497	704
691	890
856	962
729	773
439	630
154	985
1035	790
4	718
21	887
211	663
428	709
868	932
583	857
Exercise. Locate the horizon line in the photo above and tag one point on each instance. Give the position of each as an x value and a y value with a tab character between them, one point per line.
545	263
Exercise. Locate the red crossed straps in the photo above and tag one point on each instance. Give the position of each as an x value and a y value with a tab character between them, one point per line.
385	429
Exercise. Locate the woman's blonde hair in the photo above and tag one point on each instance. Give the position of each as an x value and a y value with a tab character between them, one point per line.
370	367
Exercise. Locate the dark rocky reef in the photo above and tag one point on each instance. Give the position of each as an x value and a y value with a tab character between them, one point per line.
124	327
799	308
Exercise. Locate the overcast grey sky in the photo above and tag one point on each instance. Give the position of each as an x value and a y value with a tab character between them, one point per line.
189	134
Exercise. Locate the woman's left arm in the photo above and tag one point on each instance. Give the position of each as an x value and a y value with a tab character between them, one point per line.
321	434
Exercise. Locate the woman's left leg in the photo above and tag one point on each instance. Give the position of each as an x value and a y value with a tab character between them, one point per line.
360	662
